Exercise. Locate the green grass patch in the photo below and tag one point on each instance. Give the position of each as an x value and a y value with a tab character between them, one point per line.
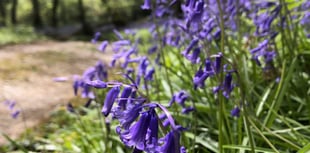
19	34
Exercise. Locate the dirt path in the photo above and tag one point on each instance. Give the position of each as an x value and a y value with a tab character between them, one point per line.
26	76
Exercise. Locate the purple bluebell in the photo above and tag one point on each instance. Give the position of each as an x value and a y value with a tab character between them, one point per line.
136	135
128	116
218	63
305	19
86	91
124	97
199	78
263	21
143	66
153	49
208	66
101	71
15	114
97	84
109	100
193	11
227	85
160	10
118	34
112	64
89	74
96	37
192	44
147	5
186	110
149	74
194	57
171	143
118	45
152	133
235	112
12	104
103	46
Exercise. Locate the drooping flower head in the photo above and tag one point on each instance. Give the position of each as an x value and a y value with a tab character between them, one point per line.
109	100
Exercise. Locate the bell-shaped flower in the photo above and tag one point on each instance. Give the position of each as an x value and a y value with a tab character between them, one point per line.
147	5
96	37
124	97
103	46
136	135
170	143
227	85
235	112
109	100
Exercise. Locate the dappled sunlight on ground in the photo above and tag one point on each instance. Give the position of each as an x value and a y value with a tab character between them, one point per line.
26	76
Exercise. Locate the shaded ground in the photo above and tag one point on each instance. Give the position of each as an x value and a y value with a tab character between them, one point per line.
26	76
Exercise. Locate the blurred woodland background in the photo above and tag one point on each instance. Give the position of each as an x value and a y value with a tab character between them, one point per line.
64	18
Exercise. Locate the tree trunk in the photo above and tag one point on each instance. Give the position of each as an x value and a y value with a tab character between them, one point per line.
37	21
13	12
2	13
54	13
85	27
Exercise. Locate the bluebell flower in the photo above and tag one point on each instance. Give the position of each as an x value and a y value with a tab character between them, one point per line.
218	63
152	134
149	74
101	71
305	19
118	34
200	78
109	100
143	66
15	114
208	66
235	112
86	91
227	85
194	57
128	116
170	143
124	97
96	37
89	74
180	98
147	5
97	84
103	46
186	110
136	135
152	50
192	44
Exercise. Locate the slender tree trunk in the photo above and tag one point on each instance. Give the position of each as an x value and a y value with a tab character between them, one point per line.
85	27
54	13
2	13
37	21
13	12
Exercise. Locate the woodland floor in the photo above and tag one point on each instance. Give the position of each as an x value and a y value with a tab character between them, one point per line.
26	76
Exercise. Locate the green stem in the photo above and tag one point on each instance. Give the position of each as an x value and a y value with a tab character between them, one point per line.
220	97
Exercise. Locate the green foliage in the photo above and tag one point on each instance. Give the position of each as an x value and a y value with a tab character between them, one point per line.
18	34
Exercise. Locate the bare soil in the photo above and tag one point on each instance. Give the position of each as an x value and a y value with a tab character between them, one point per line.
26	76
